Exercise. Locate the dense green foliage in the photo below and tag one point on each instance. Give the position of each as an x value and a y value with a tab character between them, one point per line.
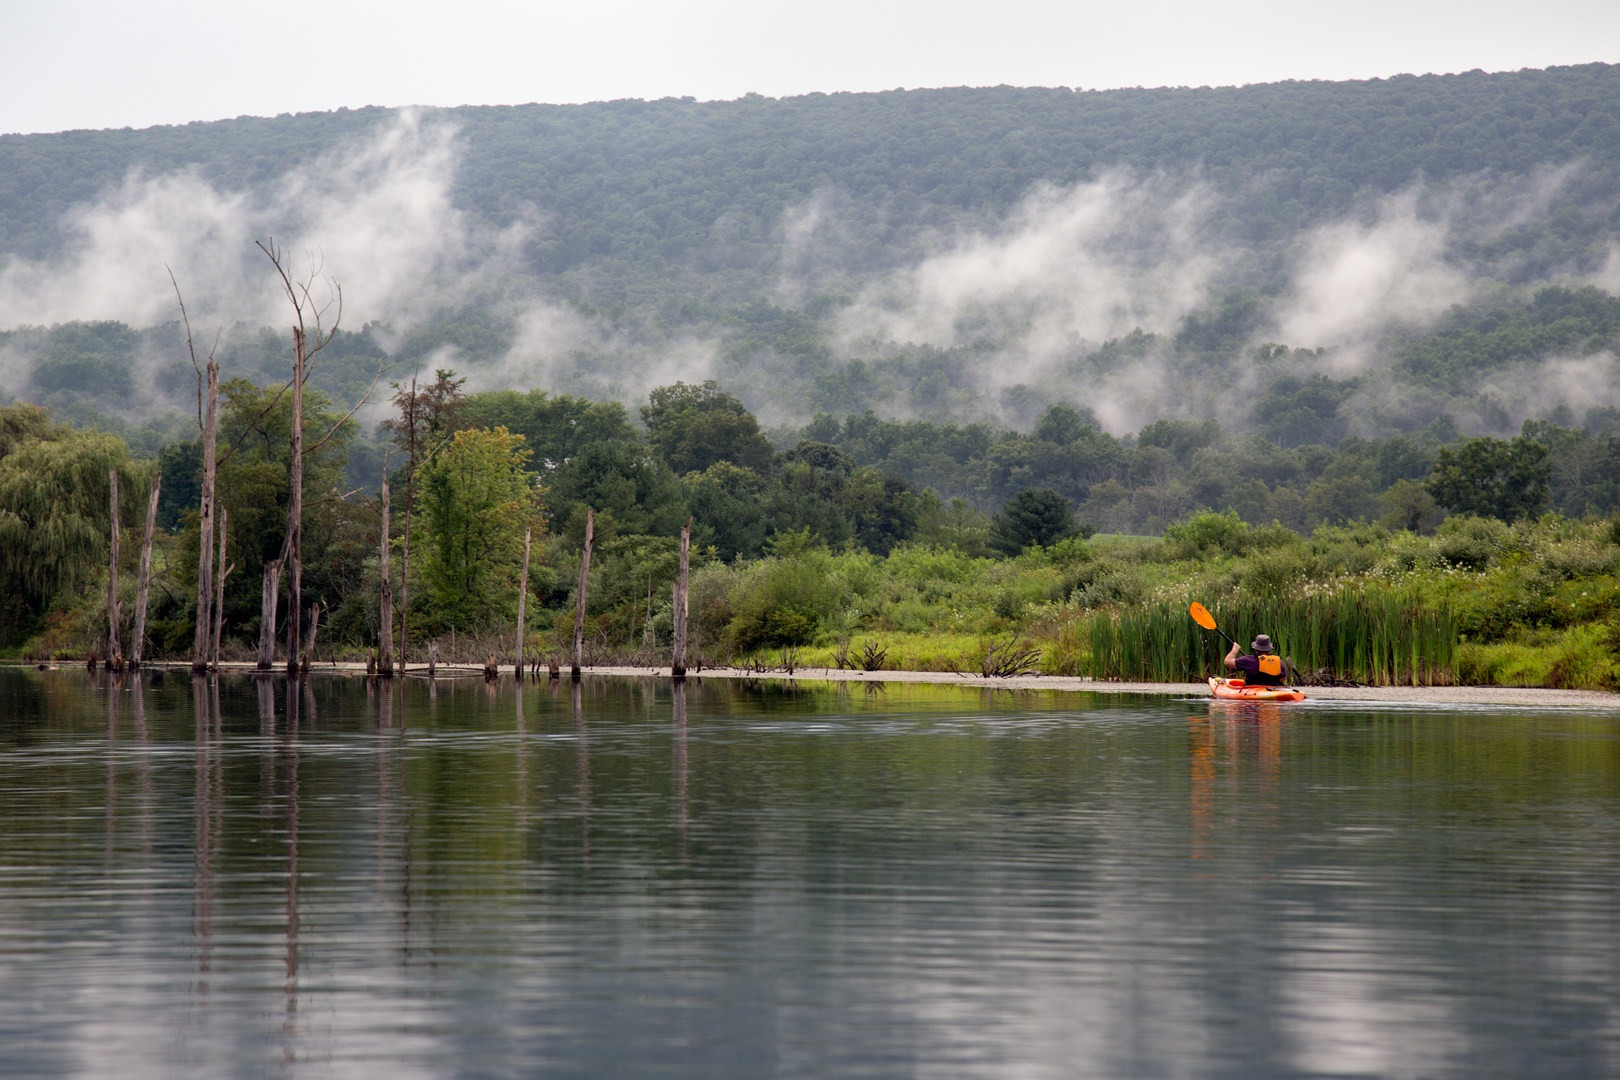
826	555
644	182
475	502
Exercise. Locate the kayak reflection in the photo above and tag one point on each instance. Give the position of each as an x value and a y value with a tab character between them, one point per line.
1235	748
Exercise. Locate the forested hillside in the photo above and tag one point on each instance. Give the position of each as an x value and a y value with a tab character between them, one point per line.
955	255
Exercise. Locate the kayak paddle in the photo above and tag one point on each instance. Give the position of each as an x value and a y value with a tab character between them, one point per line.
1203	618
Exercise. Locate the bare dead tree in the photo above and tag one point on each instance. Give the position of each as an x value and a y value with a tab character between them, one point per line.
267	613
114	649
144	581
523	597
307	342
219	591
677	668
579	600
385	640
208	423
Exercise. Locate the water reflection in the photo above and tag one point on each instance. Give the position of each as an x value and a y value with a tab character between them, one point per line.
230	875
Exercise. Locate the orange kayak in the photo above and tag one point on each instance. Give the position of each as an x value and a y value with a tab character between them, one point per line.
1235	690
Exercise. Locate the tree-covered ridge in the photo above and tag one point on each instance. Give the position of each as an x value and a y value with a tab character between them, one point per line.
637	180
952	255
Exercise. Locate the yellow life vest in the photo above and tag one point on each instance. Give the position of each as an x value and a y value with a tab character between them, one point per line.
1270	664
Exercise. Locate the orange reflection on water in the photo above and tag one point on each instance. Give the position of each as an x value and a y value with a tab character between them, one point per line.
1232	739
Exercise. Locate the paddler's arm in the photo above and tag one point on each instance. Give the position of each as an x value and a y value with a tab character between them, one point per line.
1231	656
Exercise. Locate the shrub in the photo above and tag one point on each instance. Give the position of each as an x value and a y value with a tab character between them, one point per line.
1471	542
782	602
1206	535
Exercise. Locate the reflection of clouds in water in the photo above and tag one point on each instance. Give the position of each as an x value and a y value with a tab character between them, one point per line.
1352	1004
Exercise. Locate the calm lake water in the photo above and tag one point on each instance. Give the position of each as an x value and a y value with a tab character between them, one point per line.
243	877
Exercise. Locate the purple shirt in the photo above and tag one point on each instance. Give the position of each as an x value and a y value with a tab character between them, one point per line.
1250	667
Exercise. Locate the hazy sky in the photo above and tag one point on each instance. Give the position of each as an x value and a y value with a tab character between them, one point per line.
67	64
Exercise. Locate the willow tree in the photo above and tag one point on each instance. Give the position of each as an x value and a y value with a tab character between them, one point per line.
55	513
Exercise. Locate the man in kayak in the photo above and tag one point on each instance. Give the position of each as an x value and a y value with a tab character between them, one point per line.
1264	668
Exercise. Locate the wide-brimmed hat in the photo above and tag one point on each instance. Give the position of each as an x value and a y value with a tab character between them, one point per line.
1262	644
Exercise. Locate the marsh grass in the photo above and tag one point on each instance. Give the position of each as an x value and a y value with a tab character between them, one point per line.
1380	637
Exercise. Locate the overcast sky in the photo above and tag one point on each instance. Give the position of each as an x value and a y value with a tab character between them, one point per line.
67	64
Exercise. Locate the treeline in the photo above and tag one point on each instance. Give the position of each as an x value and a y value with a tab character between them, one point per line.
813	545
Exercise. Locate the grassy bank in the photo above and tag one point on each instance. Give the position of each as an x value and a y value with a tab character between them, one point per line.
1479	602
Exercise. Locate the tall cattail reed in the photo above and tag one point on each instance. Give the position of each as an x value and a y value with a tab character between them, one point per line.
1375	636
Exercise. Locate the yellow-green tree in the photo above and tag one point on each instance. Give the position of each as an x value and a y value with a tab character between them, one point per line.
475	497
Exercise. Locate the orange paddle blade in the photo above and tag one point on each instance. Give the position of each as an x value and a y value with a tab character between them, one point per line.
1201	615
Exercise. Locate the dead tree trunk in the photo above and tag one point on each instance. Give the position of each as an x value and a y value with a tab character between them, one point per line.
221	570
523	597
306	343
114	649
405	546
205	558
309	642
385	639
295	509
579	601
677	667
267	614
143	584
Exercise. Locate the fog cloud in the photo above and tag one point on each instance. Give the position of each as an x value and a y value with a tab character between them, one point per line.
1089	262
376	216
1353	281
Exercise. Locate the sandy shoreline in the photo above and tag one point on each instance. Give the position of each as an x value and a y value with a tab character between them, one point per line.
1523	697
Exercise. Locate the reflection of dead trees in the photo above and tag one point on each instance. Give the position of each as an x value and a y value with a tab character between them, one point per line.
289	762
678	708
209	803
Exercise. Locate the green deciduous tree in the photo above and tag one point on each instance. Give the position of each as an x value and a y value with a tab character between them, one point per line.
631	490
475	497
1492	478
554	427
694	426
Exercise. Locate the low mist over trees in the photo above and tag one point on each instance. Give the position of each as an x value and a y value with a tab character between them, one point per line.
1310	261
